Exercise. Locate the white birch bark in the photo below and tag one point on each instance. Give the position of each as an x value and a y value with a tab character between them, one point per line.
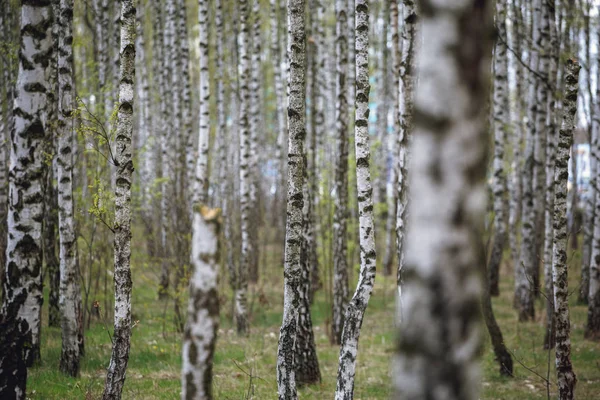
296	48
255	127
358	304
524	296
550	165
145	118
592	330
245	177
564	369
280	115
201	181
162	71
501	122
405	117
539	177
589	221
516	181
115	377
391	241
19	322
200	333
70	291
340	263
439	347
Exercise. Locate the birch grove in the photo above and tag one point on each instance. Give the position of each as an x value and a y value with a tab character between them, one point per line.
189	190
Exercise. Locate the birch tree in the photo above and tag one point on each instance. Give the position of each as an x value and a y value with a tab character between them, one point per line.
70	291
564	369
245	177
201	181
440	337
115	377
296	48
200	333
340	263
392	197
405	94
523	270
358	304
20	316
501	121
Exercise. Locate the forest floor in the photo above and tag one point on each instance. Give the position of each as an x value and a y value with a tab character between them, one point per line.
245	366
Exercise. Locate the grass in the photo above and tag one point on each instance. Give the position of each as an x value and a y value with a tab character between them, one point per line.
246	365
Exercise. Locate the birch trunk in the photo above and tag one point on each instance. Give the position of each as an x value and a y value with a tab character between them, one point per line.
592	330
564	369
19	321
524	295
305	353
161	69
50	233
550	166
516	179
255	127
406	88
200	333
503	357
438	349
501	121
539	177
6	124
292	297
318	133
392	197
358	304
245	176
340	263
201	181
115	377
70	291
280	116
589	219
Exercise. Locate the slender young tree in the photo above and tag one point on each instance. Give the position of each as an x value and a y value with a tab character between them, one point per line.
296	48
245	177
564	369
405	94
340	262
440	339
115	377
201	181
20	316
524	295
200	333
358	304
70	291
550	165
516	181
392	197
501	121
50	232
589	220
